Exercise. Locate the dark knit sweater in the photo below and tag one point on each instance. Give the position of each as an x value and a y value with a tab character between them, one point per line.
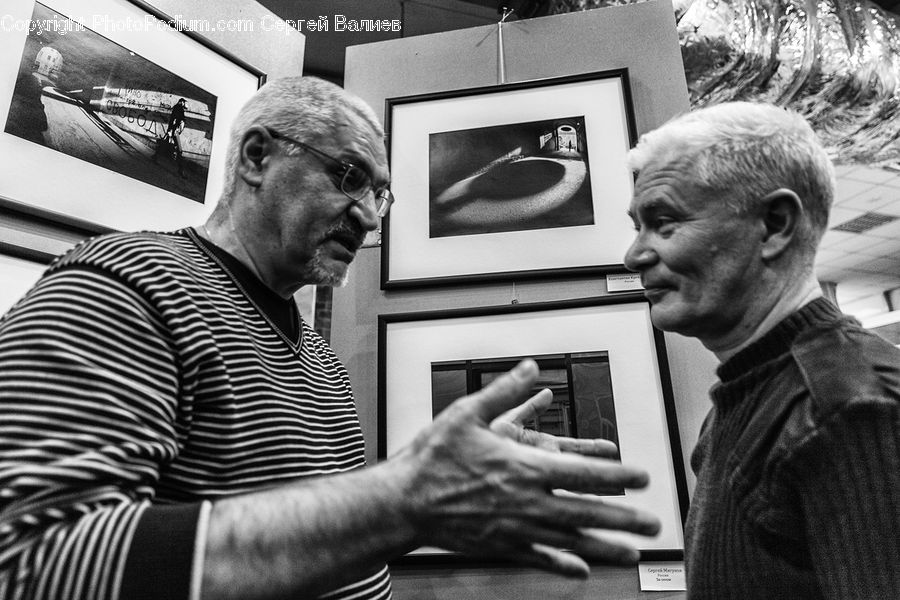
798	467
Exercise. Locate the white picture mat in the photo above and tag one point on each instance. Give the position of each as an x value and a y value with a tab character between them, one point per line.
624	330
18	276
414	255
45	178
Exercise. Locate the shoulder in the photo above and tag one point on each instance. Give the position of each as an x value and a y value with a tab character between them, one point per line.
317	349
160	267
848	382
132	255
318	345
846	367
838	397
112	246
846	379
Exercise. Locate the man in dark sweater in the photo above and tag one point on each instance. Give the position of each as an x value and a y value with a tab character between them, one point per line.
798	462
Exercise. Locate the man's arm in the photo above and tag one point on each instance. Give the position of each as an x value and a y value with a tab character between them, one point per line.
89	413
87	419
459	485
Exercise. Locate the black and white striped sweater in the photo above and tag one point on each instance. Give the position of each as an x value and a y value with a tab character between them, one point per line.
137	380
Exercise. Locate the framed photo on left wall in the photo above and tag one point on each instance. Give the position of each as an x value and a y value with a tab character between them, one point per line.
113	114
602	359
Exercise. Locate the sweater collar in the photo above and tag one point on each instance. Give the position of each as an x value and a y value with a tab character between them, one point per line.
778	340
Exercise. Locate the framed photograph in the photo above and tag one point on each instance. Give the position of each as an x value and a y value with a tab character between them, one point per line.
507	182
20	268
602	359
114	114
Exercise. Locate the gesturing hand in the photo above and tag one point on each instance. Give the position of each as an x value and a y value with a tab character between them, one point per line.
511	424
484	486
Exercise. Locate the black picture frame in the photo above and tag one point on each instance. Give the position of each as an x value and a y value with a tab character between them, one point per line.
20	268
49	178
411	343
509	182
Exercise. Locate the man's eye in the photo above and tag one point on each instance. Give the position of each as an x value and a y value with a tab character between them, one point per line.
663	225
356	179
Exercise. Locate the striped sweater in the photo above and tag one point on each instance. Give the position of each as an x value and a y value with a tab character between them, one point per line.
137	380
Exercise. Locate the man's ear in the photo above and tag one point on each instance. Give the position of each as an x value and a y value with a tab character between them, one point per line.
782	213
256	146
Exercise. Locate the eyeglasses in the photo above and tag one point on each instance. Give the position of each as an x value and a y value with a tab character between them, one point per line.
353	181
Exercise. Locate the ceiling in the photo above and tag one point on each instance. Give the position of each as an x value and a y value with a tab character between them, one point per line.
324	55
864	265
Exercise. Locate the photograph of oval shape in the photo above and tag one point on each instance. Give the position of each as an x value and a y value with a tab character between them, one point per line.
509	182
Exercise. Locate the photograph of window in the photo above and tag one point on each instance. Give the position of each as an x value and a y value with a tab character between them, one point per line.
600	357
513	177
582	404
81	94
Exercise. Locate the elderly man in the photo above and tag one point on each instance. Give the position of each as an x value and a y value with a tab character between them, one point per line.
798	462
170	427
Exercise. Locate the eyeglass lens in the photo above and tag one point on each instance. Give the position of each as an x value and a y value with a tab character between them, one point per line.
355	182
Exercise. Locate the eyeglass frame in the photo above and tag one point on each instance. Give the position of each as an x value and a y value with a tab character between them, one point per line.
382	196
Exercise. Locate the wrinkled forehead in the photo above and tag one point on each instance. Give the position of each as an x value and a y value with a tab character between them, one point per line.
659	176
358	139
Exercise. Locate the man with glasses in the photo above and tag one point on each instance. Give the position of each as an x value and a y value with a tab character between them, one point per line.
172	428
798	461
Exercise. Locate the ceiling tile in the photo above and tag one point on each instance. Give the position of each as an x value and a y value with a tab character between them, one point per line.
846	260
825	255
892	207
845	171
833	238
839	214
848	188
849	291
873	175
872	198
860	244
880	265
888	230
883	247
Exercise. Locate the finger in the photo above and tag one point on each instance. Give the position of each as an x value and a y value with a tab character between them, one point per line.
533	544
556	550
595	447
564	510
548	542
504	393
556	561
530	409
596	548
586	545
579	473
569	560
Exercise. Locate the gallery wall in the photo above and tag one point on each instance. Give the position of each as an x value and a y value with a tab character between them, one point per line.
639	37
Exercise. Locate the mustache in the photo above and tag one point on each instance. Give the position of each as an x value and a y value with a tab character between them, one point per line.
349	233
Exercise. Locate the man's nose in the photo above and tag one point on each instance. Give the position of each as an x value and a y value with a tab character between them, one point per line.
639	255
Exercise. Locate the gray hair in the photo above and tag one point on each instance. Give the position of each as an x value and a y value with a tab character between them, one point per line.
304	108
740	151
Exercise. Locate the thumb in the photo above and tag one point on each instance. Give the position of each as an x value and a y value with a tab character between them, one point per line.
506	392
